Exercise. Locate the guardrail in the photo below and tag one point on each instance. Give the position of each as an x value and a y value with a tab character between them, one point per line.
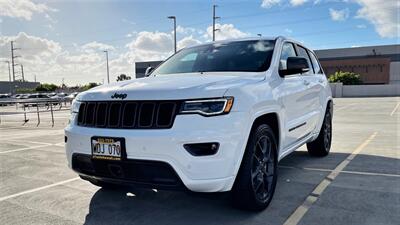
40	106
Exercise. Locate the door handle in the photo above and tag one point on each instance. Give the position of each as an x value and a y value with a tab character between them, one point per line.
321	81
306	82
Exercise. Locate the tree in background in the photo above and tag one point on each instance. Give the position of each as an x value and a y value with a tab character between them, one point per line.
347	78
89	86
123	77
46	87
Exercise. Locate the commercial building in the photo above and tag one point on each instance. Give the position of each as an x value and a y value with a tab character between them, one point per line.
140	67
11	87
375	64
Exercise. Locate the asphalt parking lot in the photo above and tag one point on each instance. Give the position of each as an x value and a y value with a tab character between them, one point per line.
358	183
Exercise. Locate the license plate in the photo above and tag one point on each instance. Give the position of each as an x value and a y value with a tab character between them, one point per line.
108	148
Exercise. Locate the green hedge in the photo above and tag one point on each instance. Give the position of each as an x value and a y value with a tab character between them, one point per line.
347	78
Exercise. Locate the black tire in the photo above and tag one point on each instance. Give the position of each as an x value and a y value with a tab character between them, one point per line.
321	146
256	181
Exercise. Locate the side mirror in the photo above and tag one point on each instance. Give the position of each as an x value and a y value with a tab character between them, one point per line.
295	65
148	71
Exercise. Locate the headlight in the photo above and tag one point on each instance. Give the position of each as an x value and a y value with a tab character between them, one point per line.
75	106
208	107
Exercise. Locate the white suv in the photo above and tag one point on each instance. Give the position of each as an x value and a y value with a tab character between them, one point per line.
212	118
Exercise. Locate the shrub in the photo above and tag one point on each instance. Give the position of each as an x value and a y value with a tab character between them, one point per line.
347	78
89	86
46	88
25	90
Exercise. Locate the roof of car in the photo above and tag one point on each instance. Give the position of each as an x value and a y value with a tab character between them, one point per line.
267	38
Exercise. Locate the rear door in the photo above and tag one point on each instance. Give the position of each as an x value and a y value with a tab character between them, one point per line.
292	95
312	91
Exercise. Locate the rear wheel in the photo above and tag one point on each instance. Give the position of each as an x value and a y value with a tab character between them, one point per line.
322	145
256	180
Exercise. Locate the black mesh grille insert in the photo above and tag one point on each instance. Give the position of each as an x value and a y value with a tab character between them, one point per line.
128	114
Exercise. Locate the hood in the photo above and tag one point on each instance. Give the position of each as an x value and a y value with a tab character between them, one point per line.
172	86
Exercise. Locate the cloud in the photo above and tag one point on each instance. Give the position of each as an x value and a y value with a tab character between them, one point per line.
185	30
297	2
225	31
269	3
287	30
339	15
23	9
96	46
384	16
361	26
152	42
187	42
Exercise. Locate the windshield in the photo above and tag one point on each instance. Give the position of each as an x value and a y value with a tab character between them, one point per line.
249	56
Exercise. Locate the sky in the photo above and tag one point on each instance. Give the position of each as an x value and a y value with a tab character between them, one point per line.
65	40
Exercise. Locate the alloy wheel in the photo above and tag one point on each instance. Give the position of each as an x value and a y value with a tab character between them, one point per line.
263	169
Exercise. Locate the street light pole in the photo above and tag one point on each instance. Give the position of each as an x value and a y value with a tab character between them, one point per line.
174	18
108	71
213	25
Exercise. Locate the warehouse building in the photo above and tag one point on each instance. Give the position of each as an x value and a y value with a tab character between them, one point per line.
375	64
11	87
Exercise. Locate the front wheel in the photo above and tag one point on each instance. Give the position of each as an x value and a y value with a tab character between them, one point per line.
322	145
256	180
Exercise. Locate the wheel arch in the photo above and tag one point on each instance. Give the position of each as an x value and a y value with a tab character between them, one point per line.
271	119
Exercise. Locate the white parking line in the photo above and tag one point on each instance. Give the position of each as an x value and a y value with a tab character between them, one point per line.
37	189
24	149
27	135
395	108
299	213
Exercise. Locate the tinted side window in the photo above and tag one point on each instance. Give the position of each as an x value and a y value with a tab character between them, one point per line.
303	53
315	63
287	51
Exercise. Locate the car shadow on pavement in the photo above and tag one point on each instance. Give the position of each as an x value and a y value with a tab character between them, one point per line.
137	206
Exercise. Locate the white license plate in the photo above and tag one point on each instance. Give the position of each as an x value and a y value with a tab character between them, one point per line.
107	148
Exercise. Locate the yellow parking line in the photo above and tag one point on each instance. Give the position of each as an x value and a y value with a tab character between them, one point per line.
299	213
343	171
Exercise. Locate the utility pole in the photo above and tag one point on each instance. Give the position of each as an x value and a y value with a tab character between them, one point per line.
108	71
9	76
22	72
35	78
174	18
12	59
214	18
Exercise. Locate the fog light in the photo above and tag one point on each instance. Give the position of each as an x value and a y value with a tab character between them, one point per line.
202	149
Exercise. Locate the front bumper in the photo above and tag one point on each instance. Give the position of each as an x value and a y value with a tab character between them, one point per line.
212	173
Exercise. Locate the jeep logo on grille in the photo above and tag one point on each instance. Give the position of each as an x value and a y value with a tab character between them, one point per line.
121	96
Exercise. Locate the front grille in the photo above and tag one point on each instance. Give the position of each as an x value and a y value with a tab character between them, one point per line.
128	114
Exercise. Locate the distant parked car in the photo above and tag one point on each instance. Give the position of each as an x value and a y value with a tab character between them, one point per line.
4	97
72	96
